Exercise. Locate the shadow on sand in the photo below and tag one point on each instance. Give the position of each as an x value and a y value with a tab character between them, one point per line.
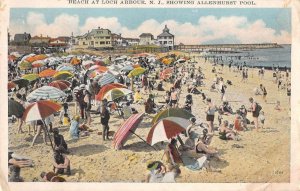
86	150
139	147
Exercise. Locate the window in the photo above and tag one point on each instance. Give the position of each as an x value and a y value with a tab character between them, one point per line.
102	42
165	42
170	42
170	37
165	37
96	42
108	37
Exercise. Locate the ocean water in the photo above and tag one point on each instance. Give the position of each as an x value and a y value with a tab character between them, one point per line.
280	57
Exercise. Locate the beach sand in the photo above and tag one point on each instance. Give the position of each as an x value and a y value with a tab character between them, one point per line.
265	156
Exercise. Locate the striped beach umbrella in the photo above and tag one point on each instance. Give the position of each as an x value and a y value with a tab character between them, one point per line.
24	65
127	68
172	112
65	67
106	79
163	131
115	94
106	88
38	63
126	129
46	93
40	110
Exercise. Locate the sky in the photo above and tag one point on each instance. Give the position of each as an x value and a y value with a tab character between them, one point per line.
190	26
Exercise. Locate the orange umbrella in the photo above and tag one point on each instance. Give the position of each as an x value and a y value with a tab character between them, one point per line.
107	88
38	64
75	61
59	85
36	57
11	85
47	73
136	65
98	68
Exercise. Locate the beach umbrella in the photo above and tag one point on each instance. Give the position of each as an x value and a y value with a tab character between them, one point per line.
59	85
166	73
163	131
62	75
136	66
15	108
98	68
107	88
63	81
180	121
127	68
65	68
181	60
172	112
115	94
38	63
107	61
21	82
87	63
136	72
166	61
30	77
39	111
99	62
46	93
11	85
47	73
11	58
107	78
25	65
75	61
126	129
36	57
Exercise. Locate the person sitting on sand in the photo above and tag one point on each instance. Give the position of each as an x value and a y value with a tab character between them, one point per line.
172	153
61	163
225	109
194	90
150	105
137	97
277	106
59	141
156	171
225	133
74	128
238	125
171	173
51	177
160	86
127	110
14	165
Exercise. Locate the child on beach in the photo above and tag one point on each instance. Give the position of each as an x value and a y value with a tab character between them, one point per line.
262	119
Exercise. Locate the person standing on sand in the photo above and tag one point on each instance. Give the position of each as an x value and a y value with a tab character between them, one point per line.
210	114
264	91
255	109
105	116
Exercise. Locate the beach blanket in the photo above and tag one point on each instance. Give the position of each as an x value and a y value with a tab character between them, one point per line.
194	164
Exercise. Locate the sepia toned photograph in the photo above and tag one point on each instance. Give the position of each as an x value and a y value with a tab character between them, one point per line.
181	95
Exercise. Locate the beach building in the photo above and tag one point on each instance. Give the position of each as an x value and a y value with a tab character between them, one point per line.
132	41
146	39
97	38
39	40
116	39
22	39
166	39
61	41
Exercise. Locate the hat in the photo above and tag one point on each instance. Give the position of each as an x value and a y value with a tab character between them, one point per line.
82	86
76	117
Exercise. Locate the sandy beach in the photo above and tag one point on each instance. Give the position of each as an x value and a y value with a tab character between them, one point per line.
265	156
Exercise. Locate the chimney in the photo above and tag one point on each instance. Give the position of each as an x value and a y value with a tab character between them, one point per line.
98	27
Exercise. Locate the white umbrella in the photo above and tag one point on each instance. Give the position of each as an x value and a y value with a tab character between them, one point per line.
46	93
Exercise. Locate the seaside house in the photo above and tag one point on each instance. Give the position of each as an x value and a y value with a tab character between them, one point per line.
132	41
22	39
116	39
61	41
41	41
166	39
146	39
98	38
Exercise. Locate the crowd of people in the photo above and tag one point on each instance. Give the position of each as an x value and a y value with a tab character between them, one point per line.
83	91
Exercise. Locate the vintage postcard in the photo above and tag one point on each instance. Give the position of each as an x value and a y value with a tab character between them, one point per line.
134	94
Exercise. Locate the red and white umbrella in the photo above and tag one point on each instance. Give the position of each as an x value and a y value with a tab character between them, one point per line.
127	128
40	110
163	131
59	85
